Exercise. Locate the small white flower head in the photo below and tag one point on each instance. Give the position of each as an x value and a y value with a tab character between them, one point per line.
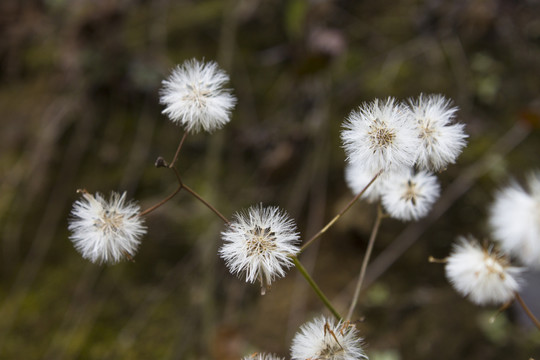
262	356
259	243
482	275
195	98
326	339
514	218
106	231
357	177
381	135
408	195
442	140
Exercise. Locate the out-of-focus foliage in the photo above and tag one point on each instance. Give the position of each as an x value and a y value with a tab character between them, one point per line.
79	84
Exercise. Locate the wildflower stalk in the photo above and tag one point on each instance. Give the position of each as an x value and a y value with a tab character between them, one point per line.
178	150
367	256
343	211
527	311
315	287
208	205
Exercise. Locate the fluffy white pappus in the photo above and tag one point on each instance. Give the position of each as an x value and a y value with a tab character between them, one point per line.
262	356
381	135
514	218
482	275
408	195
106	231
442	140
326	339
357	178
259	243
195	98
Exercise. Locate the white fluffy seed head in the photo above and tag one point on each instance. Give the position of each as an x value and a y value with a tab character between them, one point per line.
195	98
514	218
381	135
482	275
262	356
441	140
357	178
327	339
408	195
106	231
259	244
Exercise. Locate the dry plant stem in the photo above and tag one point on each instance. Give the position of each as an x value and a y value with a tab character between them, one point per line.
528	311
315	287
208	205
171	165
336	218
149	210
367	256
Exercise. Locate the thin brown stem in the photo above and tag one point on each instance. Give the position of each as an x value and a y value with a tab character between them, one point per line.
343	211
208	205
178	150
149	210
527	310
367	256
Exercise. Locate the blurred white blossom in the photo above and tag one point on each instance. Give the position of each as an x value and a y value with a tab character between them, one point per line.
358	177
515	220
106	231
195	98
482	275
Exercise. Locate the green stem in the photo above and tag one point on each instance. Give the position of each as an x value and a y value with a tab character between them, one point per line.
315	287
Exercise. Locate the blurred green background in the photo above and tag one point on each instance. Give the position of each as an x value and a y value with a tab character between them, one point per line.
79	107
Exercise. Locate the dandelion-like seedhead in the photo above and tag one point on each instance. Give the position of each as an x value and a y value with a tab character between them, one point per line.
262	356
195	98
381	135
259	243
408	195
106	231
442	140
326	339
514	218
482	275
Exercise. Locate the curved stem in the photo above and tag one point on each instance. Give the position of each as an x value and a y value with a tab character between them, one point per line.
527	311
372	237
315	287
171	165
208	205
149	210
343	211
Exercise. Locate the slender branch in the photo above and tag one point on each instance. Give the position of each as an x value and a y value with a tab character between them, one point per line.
527	310
367	256
343	211
149	210
178	150
315	287
208	205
